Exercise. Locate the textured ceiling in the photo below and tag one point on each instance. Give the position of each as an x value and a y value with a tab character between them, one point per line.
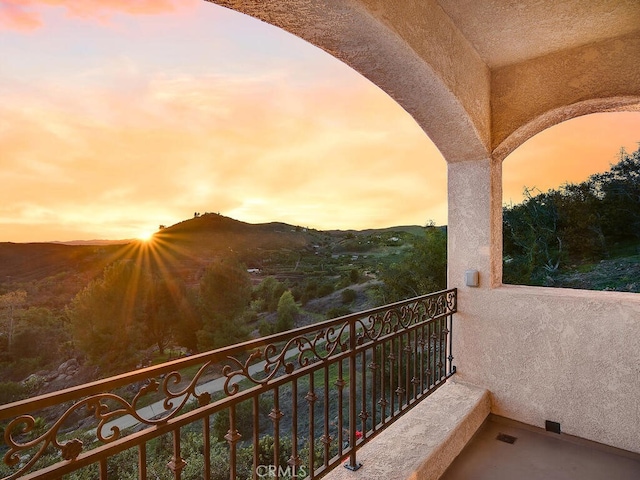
505	32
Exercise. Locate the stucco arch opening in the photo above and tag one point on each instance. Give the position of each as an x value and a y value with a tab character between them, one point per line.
447	95
475	105
562	114
568	152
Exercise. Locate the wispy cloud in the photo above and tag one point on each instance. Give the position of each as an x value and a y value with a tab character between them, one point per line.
255	147
27	15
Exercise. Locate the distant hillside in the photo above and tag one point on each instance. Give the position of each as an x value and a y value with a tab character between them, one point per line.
213	232
96	242
416	230
24	262
52	273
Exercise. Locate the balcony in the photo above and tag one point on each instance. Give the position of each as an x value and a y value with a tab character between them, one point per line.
294	404
480	78
376	389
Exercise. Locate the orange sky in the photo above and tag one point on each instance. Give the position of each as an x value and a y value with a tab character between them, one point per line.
118	116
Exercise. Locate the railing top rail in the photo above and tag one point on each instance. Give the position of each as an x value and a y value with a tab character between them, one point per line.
11	410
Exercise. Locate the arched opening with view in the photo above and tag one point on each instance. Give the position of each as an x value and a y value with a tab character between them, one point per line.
570	205
155	128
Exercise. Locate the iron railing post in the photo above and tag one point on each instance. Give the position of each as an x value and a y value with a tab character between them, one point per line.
353	463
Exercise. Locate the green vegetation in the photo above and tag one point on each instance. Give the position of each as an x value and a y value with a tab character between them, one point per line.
225	292
106	317
113	308
287	312
422	270
551	236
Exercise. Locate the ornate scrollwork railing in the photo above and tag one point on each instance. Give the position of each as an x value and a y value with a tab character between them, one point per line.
380	340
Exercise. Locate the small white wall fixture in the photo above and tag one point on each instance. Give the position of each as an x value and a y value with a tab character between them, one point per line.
471	278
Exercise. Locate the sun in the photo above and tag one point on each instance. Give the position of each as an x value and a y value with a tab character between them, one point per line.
145	236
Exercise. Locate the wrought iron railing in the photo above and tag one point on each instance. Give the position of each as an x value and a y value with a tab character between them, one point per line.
291	405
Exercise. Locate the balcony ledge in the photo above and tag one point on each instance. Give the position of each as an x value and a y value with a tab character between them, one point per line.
424	442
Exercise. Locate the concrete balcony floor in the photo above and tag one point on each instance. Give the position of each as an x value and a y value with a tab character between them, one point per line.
538	455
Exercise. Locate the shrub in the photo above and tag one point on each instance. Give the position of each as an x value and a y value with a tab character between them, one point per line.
265	328
338	312
12	392
287	312
354	275
348	295
324	290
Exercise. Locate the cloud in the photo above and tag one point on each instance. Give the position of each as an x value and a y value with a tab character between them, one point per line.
142	149
252	147
15	15
27	15
123	130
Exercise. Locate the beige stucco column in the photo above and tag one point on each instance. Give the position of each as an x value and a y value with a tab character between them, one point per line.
475	222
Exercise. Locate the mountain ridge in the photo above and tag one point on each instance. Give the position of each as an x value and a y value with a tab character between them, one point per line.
53	272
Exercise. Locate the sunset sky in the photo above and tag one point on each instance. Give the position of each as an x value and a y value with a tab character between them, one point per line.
117	116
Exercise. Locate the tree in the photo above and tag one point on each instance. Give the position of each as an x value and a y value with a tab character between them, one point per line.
619	189
573	224
531	237
107	316
39	334
188	322
10	302
287	311
270	290
166	309
225	292
422	271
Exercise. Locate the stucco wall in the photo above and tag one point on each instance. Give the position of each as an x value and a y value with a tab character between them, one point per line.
570	356
475	221
429	31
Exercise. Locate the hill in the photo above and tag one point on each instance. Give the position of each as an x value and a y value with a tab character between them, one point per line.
52	273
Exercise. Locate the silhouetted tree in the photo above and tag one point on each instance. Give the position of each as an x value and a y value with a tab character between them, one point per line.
572	224
619	189
107	316
287	311
225	292
423	270
167	308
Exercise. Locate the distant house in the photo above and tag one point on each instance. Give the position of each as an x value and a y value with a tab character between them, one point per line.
254	271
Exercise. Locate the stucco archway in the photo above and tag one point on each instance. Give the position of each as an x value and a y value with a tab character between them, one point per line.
480	78
431	70
539	93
